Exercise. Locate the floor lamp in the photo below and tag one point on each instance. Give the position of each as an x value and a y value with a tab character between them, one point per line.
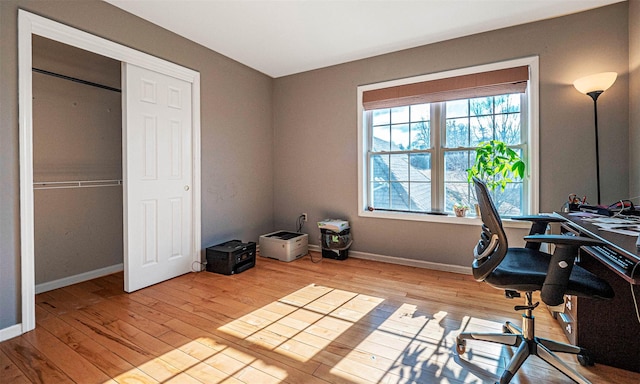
594	86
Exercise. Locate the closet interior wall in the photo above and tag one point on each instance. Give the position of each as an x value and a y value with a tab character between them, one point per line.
77	141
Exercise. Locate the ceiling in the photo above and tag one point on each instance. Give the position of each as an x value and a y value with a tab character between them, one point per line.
280	37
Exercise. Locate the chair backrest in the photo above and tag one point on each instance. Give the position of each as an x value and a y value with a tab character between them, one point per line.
493	244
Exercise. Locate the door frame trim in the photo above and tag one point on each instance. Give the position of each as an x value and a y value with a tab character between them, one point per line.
31	24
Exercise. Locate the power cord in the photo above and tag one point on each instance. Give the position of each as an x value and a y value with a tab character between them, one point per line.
299	223
315	261
623	207
633	292
201	264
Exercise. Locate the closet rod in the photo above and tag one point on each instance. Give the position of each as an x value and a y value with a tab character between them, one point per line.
38	70
76	184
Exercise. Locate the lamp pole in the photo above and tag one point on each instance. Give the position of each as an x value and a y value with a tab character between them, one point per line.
594	85
594	95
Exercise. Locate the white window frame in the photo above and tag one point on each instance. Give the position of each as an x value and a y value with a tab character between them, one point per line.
532	140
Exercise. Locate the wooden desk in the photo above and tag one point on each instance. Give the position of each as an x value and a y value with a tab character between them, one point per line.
609	329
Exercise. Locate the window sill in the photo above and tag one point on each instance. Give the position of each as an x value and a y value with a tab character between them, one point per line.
451	219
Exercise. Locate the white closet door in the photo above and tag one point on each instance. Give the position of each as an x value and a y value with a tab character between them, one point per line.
158	177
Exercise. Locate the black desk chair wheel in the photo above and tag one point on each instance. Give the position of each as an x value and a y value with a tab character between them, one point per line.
527	270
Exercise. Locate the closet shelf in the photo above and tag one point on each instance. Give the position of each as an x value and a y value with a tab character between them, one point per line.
76	184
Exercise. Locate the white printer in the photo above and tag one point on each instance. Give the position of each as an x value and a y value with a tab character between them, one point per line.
284	245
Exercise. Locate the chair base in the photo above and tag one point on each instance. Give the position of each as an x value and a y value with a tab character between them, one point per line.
528	345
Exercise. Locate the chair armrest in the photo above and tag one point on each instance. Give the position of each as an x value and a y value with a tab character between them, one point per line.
560	264
539	225
563	240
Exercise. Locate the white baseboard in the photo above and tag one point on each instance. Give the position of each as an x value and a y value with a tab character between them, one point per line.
51	285
403	261
10	332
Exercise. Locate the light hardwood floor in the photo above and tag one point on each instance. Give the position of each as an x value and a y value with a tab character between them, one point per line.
351	321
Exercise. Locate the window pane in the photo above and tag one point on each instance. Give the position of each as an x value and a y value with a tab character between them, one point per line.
508	128
399	115
381	117
456	164
509	201
380	168
399	196
420	135
457	108
481	130
380	195
473	200
420	197
421	112
457	189
399	167
400	137
420	167
457	192
507	103
457	133
481	106
381	138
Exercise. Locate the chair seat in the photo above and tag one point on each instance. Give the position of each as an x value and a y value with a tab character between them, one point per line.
525	269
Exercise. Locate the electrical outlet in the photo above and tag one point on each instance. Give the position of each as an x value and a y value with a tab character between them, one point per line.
304	217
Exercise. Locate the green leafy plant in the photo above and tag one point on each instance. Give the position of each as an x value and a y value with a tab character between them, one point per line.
460	205
496	164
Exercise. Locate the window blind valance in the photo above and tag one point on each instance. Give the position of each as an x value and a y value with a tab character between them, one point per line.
491	83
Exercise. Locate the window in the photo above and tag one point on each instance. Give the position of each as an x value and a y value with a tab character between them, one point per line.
417	138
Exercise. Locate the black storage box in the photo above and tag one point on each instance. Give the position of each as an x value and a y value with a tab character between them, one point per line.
335	254
335	245
231	257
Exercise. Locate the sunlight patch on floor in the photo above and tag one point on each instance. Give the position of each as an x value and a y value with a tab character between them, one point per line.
303	323
413	346
356	337
204	360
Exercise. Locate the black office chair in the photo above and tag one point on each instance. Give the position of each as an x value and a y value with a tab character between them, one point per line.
527	270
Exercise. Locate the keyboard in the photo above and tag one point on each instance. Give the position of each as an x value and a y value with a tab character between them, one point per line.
614	258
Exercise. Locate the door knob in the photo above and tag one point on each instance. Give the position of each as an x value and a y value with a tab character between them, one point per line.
186	187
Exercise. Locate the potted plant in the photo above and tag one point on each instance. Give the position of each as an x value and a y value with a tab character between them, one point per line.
496	164
460	209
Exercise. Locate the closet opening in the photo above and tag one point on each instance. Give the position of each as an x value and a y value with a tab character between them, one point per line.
77	164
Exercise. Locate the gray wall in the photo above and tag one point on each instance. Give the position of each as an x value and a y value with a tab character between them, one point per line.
77	135
634	99
315	128
236	121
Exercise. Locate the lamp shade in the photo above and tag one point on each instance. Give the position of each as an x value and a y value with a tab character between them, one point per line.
598	82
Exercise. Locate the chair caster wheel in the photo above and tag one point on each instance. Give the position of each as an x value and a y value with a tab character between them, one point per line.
585	360
461	346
